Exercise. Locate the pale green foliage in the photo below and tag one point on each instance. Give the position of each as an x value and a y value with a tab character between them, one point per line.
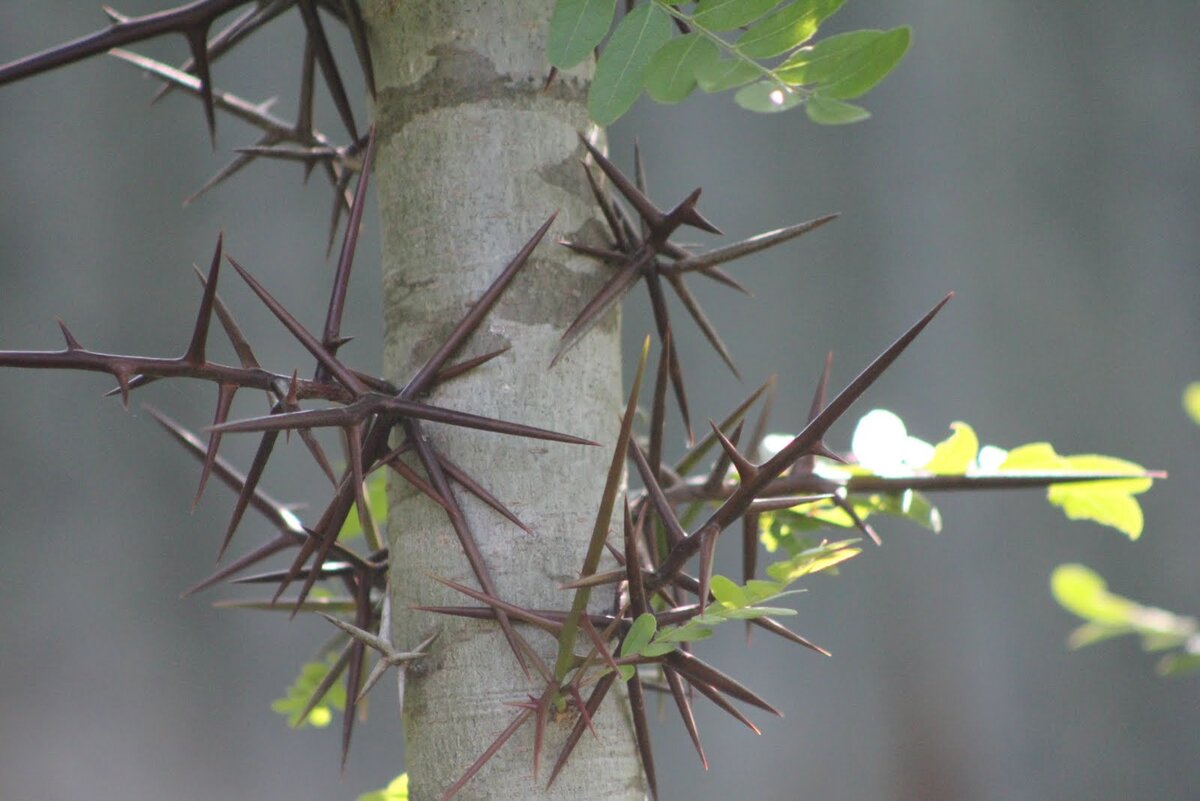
1084	593
397	790
761	46
1191	401
299	694
882	446
734	602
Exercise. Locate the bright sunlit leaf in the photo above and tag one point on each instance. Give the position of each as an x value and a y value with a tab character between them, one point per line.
956	454
1191	401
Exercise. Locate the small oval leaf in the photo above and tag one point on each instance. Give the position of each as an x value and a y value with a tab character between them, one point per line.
789	27
576	27
621	70
639	635
846	66
824	111
671	76
725	15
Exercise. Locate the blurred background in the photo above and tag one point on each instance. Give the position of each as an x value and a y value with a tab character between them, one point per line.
1040	159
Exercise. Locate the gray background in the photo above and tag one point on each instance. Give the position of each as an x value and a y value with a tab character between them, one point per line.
1038	158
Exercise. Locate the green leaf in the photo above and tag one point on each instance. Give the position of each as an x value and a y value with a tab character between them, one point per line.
728	593
1191	401
720	75
846	66
789	27
1178	664
688	632
813	560
397	790
757	590
660	648
956	454
671	76
576	27
376	504
1082	592
301	691
824	111
767	97
621	70
1109	503
725	15
626	671
639	634
751	612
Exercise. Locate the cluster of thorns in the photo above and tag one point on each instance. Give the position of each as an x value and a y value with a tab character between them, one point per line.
659	537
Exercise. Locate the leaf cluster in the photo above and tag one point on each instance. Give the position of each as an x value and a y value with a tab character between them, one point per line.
761	48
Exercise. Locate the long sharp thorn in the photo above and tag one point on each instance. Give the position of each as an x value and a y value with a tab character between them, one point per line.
426	375
500	607
354	442
716	478
354	673
593	703
745	468
764	418
633	570
264	551
487	754
686	214
328	681
639	177
689	666
749	556
711	694
198	43
662	506
333	80
808	463
336	368
859	523
475	488
422	486
452	371
225	393
744	248
608	498
539	729
708	548
641	730
606	208
265	446
703	323
658	407
641	204
358	36
237	339
685	712
341	279
594	309
696	454
815	430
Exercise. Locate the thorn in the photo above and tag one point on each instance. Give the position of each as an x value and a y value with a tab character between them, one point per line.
72	342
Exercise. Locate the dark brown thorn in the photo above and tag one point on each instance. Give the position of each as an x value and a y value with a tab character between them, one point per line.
601	689
662	321
840	501
711	694
487	754
466	539
760	505
426	375
475	488
225	393
585	623
197	39
722	277
413	478
333	80
658	407
749	555
764	419
745	468
720	468
633	567
308	156
354	674
123	376
662	506
72	342
237	339
612	291
691	667
708	548
542	709
336	368
341	186
358	36
605	254
452	371
355	457
807	464
639	177
685	213
744	248
595	579
641	730
702	322
249	487
584	714
599	535
500	607
693	457
304	112
685	711
606	208
775	627
328	681
641	204
341	278
815	430
259	554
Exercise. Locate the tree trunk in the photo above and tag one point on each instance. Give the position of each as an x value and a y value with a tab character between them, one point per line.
473	156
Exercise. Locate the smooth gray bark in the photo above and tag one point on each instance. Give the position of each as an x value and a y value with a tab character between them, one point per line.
473	156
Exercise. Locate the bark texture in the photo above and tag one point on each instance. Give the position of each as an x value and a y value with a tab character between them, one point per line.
473	157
